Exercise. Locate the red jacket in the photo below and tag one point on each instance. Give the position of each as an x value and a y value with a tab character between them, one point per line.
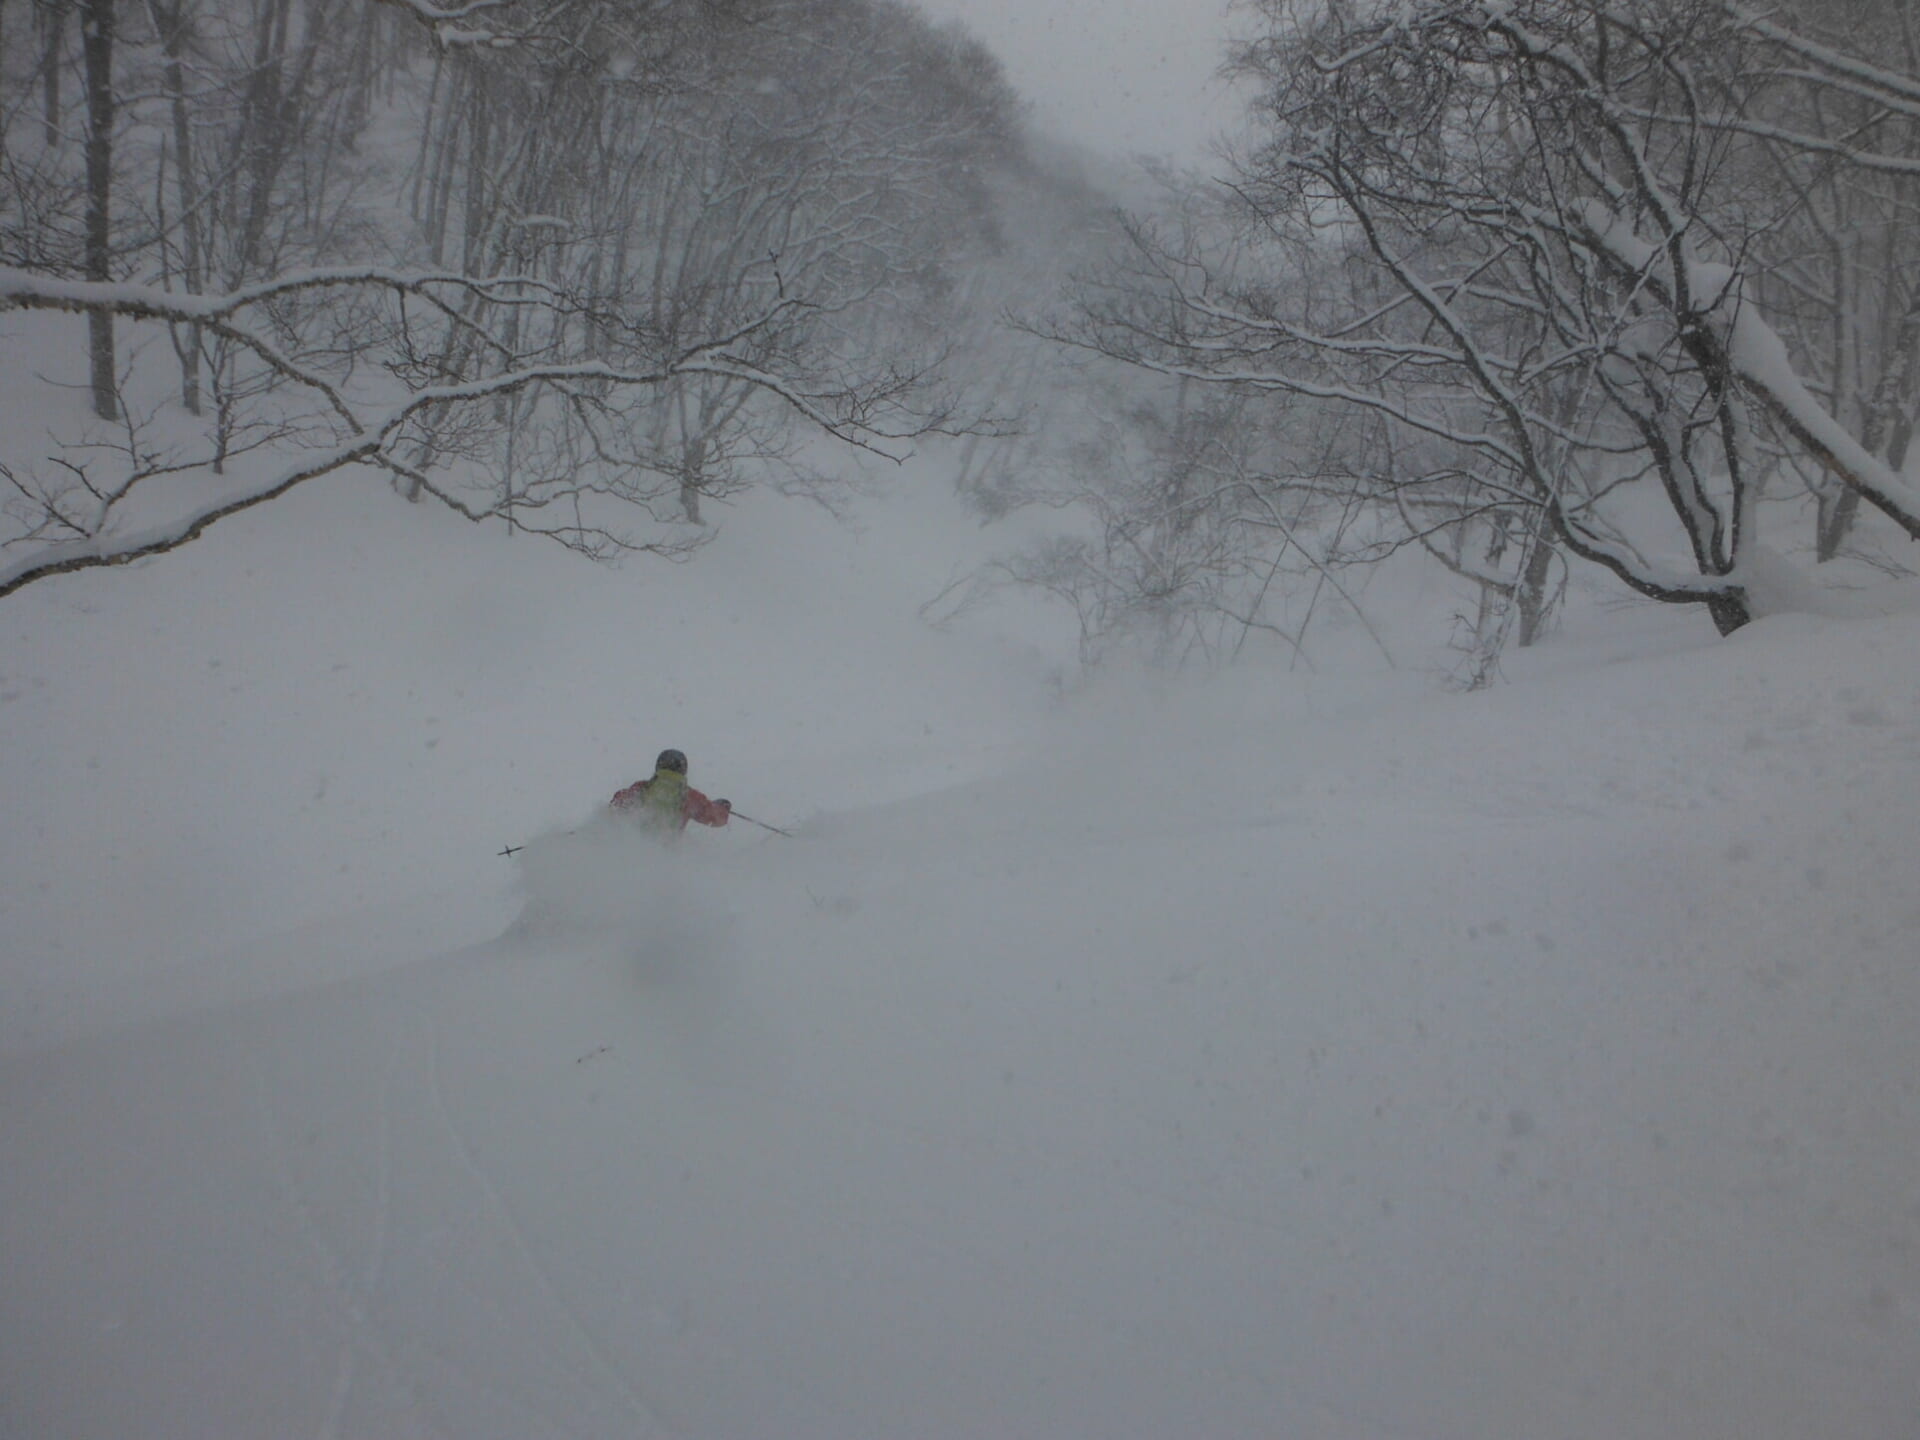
693	805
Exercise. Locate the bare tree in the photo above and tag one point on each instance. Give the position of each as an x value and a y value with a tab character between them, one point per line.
679	241
688	174
1547	214
1836	277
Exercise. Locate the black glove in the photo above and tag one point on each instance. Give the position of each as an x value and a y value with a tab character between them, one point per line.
724	804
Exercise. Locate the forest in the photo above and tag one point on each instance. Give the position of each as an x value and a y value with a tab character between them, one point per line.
1520	286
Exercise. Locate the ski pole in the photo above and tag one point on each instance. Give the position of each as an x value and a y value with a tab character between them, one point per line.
761	823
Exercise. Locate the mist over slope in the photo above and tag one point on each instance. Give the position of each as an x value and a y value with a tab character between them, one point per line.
1328	1057
337	714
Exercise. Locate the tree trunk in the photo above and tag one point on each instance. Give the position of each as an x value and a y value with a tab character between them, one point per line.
440	183
1532	596
53	20
360	86
428	127
96	34
173	39
473	236
693	470
1836	507
1729	611
264	125
223	406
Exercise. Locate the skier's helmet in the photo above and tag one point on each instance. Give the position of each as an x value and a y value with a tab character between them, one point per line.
672	760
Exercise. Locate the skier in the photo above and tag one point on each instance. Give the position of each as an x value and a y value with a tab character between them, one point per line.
664	803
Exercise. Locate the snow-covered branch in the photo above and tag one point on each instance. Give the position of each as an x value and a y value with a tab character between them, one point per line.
1740	338
447	23
1890	88
374	429
122	549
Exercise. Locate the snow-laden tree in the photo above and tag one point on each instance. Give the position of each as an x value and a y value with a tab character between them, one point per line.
1531	239
578	264
1826	99
827	160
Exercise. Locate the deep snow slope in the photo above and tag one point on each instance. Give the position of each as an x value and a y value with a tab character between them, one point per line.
291	751
1261	1058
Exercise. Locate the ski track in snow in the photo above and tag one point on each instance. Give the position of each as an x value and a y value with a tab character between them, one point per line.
350	1288
524	1247
346	1299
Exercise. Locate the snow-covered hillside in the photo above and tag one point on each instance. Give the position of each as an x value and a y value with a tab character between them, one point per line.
311	733
1331	1058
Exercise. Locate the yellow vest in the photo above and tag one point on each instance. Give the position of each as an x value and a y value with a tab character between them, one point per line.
663	805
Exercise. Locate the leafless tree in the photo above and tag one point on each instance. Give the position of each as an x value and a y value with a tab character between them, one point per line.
1529	238
642	252
1839	130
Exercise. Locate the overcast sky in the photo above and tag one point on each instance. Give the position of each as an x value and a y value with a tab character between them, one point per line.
1122	76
